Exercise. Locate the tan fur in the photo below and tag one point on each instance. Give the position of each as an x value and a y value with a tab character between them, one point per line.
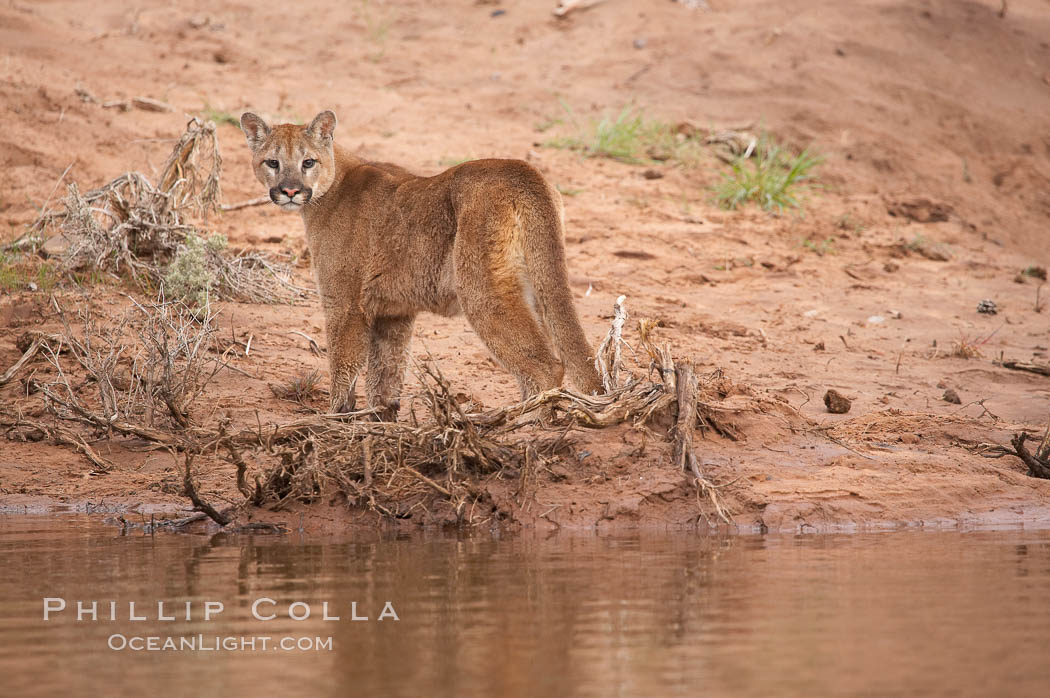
484	238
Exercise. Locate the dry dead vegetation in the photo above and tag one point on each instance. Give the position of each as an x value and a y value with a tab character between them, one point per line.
139	378
139	228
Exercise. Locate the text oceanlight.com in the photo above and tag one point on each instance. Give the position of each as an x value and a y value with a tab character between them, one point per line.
218	643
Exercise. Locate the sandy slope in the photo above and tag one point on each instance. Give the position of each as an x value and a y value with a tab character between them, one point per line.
943	101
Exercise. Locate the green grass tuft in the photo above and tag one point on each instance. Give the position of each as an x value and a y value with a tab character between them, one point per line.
19	272
11	277
771	178
219	116
629	137
820	247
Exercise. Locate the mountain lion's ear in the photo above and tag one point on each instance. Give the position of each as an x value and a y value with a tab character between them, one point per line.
255	129
322	127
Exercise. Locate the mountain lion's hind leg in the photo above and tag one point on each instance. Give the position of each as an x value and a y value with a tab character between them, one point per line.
493	299
387	355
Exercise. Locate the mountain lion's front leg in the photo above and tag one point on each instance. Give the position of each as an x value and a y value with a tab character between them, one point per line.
386	364
348	339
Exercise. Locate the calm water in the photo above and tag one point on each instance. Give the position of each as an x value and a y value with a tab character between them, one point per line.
661	615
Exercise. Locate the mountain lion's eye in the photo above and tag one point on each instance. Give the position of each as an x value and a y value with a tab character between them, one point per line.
273	164
308	163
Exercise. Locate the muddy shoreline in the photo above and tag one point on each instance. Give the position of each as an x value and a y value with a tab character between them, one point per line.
932	199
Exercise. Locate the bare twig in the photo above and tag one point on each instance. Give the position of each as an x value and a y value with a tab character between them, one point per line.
258	201
314	346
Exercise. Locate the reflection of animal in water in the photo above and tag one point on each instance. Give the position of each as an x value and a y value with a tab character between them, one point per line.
483	237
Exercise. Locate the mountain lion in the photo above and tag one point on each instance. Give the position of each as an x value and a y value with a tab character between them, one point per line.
484	238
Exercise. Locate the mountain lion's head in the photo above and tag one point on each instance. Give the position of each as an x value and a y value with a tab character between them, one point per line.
296	163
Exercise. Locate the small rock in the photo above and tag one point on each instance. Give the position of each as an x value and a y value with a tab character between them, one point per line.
639	43
876	319
836	402
987	307
909	438
890	267
653	174
660	154
497	13
951	396
56	246
920	210
819	346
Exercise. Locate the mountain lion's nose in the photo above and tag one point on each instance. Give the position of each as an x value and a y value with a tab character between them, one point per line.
290	192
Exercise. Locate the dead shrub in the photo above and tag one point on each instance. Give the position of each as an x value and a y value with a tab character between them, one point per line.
131	225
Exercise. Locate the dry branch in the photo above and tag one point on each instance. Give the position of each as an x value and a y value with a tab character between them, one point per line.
1029	367
190	487
38	340
607	358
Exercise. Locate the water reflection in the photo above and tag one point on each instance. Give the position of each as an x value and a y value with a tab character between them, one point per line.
668	614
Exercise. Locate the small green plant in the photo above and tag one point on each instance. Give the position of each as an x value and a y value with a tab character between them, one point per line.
377	26
190	276
45	277
1035	272
771	178
568	191
848	222
18	272
628	137
822	247
548	123
918	242
219	116
10	274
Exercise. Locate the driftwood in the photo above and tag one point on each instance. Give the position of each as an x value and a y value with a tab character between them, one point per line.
199	504
1029	367
608	357
686	389
1039	462
564	7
